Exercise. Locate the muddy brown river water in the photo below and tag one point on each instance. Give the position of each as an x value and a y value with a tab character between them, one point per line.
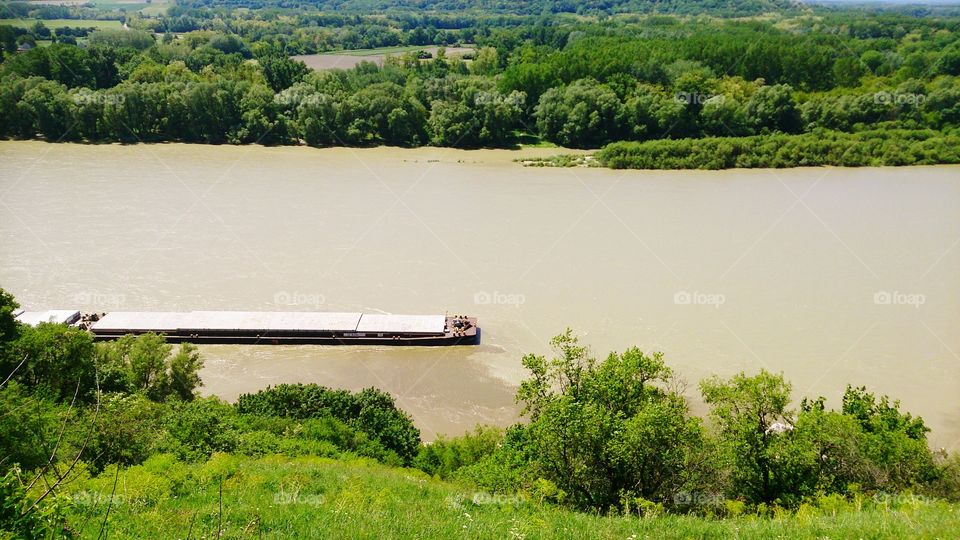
832	276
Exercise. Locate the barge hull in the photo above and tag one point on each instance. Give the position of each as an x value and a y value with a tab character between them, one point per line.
287	328
428	341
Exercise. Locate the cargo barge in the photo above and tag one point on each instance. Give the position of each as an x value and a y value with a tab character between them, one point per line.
271	327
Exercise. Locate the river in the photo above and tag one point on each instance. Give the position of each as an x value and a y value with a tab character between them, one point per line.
831	276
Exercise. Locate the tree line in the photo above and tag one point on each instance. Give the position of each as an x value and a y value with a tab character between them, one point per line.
576	85
276	101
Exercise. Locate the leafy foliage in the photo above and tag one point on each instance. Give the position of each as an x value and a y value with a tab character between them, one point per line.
57	360
445	456
370	411
145	363
580	115
781	457
610	431
15	520
750	412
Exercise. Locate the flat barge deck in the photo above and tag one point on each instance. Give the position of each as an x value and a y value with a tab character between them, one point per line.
272	327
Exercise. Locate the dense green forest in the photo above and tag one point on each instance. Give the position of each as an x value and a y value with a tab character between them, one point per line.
214	75
522	7
88	427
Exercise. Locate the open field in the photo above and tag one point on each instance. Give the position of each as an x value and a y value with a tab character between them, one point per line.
349	59
59	23
154	7
58	2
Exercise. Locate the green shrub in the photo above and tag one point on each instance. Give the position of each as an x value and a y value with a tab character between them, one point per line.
607	431
26	422
58	361
196	429
370	411
45	521
445	456
125	430
820	148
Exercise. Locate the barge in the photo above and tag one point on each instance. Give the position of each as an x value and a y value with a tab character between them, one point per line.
271	327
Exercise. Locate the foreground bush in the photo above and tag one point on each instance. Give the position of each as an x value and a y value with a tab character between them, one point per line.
370	411
445	456
616	434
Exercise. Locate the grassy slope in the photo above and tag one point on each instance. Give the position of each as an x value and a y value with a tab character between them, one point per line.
280	497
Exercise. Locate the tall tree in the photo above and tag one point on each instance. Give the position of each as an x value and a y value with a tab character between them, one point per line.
608	433
750	412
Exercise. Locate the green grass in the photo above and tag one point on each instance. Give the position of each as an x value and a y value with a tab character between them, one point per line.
58	23
309	497
153	8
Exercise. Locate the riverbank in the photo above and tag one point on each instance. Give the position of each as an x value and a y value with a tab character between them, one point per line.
880	148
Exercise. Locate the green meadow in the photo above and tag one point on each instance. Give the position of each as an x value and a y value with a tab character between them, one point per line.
275	496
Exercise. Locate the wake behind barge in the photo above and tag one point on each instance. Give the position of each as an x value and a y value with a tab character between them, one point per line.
271	327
